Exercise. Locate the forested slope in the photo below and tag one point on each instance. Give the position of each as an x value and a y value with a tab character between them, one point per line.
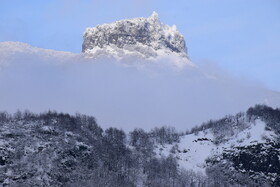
56	149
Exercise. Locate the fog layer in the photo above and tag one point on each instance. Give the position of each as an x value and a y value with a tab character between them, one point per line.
125	93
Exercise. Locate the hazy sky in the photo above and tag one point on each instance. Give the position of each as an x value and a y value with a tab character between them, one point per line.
240	36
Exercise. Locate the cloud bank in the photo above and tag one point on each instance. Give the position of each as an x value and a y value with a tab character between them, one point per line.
125	93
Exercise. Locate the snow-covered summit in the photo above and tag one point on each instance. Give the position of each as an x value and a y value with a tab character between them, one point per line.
147	37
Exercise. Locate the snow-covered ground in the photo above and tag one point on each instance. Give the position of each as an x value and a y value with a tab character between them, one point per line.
194	149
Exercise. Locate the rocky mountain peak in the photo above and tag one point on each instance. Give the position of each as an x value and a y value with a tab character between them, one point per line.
145	36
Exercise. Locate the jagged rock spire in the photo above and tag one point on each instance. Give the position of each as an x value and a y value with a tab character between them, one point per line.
154	16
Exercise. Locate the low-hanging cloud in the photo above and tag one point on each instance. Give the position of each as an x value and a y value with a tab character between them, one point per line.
126	93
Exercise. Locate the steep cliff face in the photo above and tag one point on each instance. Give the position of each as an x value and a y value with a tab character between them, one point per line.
146	36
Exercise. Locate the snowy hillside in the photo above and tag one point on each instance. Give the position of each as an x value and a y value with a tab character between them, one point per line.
195	148
56	149
243	149
143	37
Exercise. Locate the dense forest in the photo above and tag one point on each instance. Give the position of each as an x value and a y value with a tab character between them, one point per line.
56	149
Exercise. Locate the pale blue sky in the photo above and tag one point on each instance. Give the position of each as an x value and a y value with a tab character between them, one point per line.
241	37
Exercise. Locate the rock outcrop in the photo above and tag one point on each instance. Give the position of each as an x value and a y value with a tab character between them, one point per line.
147	36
